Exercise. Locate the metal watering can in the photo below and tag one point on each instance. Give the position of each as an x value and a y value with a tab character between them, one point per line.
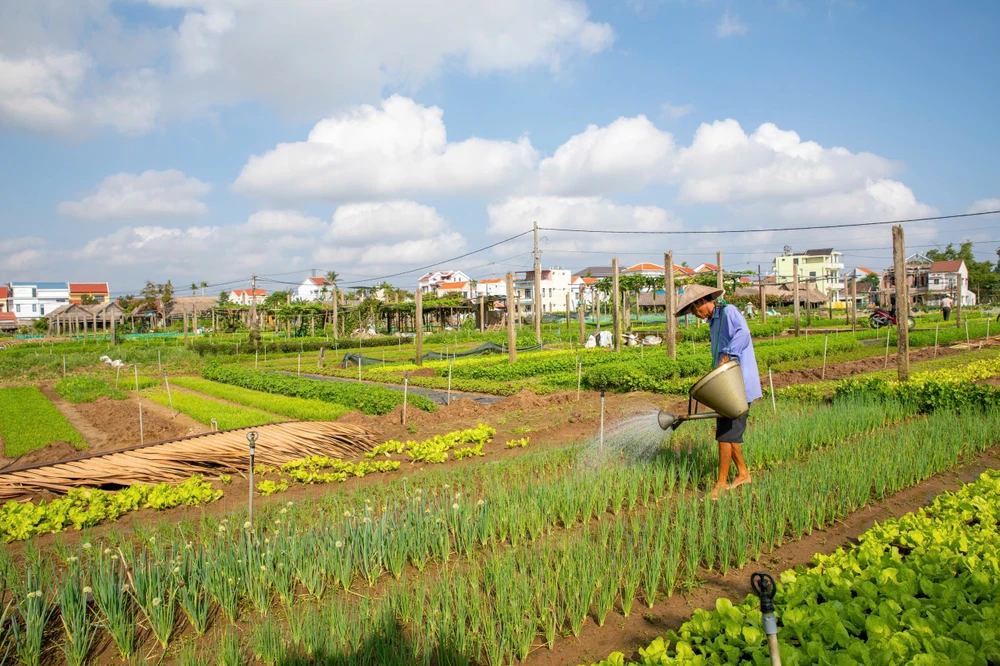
721	390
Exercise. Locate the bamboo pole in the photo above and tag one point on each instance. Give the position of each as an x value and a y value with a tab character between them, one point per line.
616	313
719	282
418	324
795	295
902	304
511	335
581	318
669	293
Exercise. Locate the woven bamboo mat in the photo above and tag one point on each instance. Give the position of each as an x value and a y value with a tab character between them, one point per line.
210	454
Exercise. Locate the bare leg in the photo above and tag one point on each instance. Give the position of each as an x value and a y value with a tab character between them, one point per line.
742	473
725	460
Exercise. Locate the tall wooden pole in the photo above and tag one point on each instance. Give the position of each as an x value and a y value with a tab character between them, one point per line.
958	300
335	313
418	324
795	292
669	292
537	302
616	315
763	297
902	304
482	313
511	334
854	303
809	319
569	312
718	274
185	326
581	317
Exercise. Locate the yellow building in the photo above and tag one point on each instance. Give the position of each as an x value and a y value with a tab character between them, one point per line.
820	267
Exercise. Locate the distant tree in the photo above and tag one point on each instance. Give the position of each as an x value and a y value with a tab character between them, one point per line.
87	299
166	292
332	276
203	285
223	298
872	280
276	299
194	288
41	325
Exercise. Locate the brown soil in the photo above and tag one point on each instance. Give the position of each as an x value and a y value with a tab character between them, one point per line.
50	453
644	624
851	368
118	420
96	440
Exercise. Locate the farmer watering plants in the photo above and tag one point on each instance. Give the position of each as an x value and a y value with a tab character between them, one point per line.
731	341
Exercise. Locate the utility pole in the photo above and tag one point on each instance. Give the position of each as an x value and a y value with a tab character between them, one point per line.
763	297
718	274
902	304
616	314
419	324
511	334
795	290
668	289
336	297
537	304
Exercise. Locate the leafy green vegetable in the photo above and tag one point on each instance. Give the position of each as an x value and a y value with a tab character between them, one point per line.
204	410
88	388
28	421
303	409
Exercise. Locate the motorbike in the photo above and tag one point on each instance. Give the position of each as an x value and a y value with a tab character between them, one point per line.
882	318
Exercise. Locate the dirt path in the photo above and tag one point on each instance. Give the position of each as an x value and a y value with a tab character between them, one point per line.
644	624
180	423
96	440
852	368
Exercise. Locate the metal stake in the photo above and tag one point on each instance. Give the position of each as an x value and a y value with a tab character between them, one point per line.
770	378
826	342
252	438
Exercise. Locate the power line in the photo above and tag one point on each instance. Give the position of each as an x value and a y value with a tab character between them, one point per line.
754	231
442	261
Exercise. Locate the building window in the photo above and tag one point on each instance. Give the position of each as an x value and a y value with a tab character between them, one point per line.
34	308
34	293
812	273
17	308
527	293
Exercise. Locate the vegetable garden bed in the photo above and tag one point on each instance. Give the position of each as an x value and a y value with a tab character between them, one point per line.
28	421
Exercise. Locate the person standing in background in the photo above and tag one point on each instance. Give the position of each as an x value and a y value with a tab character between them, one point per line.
946	305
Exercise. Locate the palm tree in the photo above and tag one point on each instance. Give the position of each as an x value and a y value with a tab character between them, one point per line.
332	277
194	288
203	285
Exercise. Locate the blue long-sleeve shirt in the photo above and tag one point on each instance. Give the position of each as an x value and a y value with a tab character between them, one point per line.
731	336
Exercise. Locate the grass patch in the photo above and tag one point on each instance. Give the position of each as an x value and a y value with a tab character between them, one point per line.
204	410
28	421
304	409
87	388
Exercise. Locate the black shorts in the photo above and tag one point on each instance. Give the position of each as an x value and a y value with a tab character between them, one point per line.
731	430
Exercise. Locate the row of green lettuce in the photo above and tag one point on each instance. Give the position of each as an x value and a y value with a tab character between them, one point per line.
923	589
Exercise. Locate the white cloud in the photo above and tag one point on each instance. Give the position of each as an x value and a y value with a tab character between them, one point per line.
284	221
37	92
399	148
627	154
20	254
355	224
983	205
725	165
676	111
730	24
149	194
877	200
76	65
150	245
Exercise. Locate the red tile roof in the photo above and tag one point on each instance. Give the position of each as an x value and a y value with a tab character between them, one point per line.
452	285
710	267
683	269
8	316
320	281
645	266
867	271
490	281
4	293
946	266
88	287
250	292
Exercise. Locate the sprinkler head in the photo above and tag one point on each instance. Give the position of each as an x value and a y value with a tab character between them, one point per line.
666	420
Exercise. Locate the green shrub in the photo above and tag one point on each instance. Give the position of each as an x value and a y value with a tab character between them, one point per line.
87	388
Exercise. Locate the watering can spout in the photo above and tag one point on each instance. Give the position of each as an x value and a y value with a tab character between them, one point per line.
721	390
665	420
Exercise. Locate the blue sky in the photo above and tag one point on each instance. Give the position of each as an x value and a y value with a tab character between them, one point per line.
210	139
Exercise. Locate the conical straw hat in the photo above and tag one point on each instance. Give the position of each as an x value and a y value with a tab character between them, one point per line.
693	293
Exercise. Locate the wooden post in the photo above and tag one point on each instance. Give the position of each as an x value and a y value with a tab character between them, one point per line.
418	324
596	294
958	303
669	292
112	328
854	304
536	304
185	327
809	319
335	313
482	313
763	297
719	284
569	312
616	314
511	335
581	318
795	293
902	304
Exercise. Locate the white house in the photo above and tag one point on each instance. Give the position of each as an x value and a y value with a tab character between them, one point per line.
945	277
555	284
431	281
491	287
822	267
705	268
645	268
247	296
32	300
312	289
